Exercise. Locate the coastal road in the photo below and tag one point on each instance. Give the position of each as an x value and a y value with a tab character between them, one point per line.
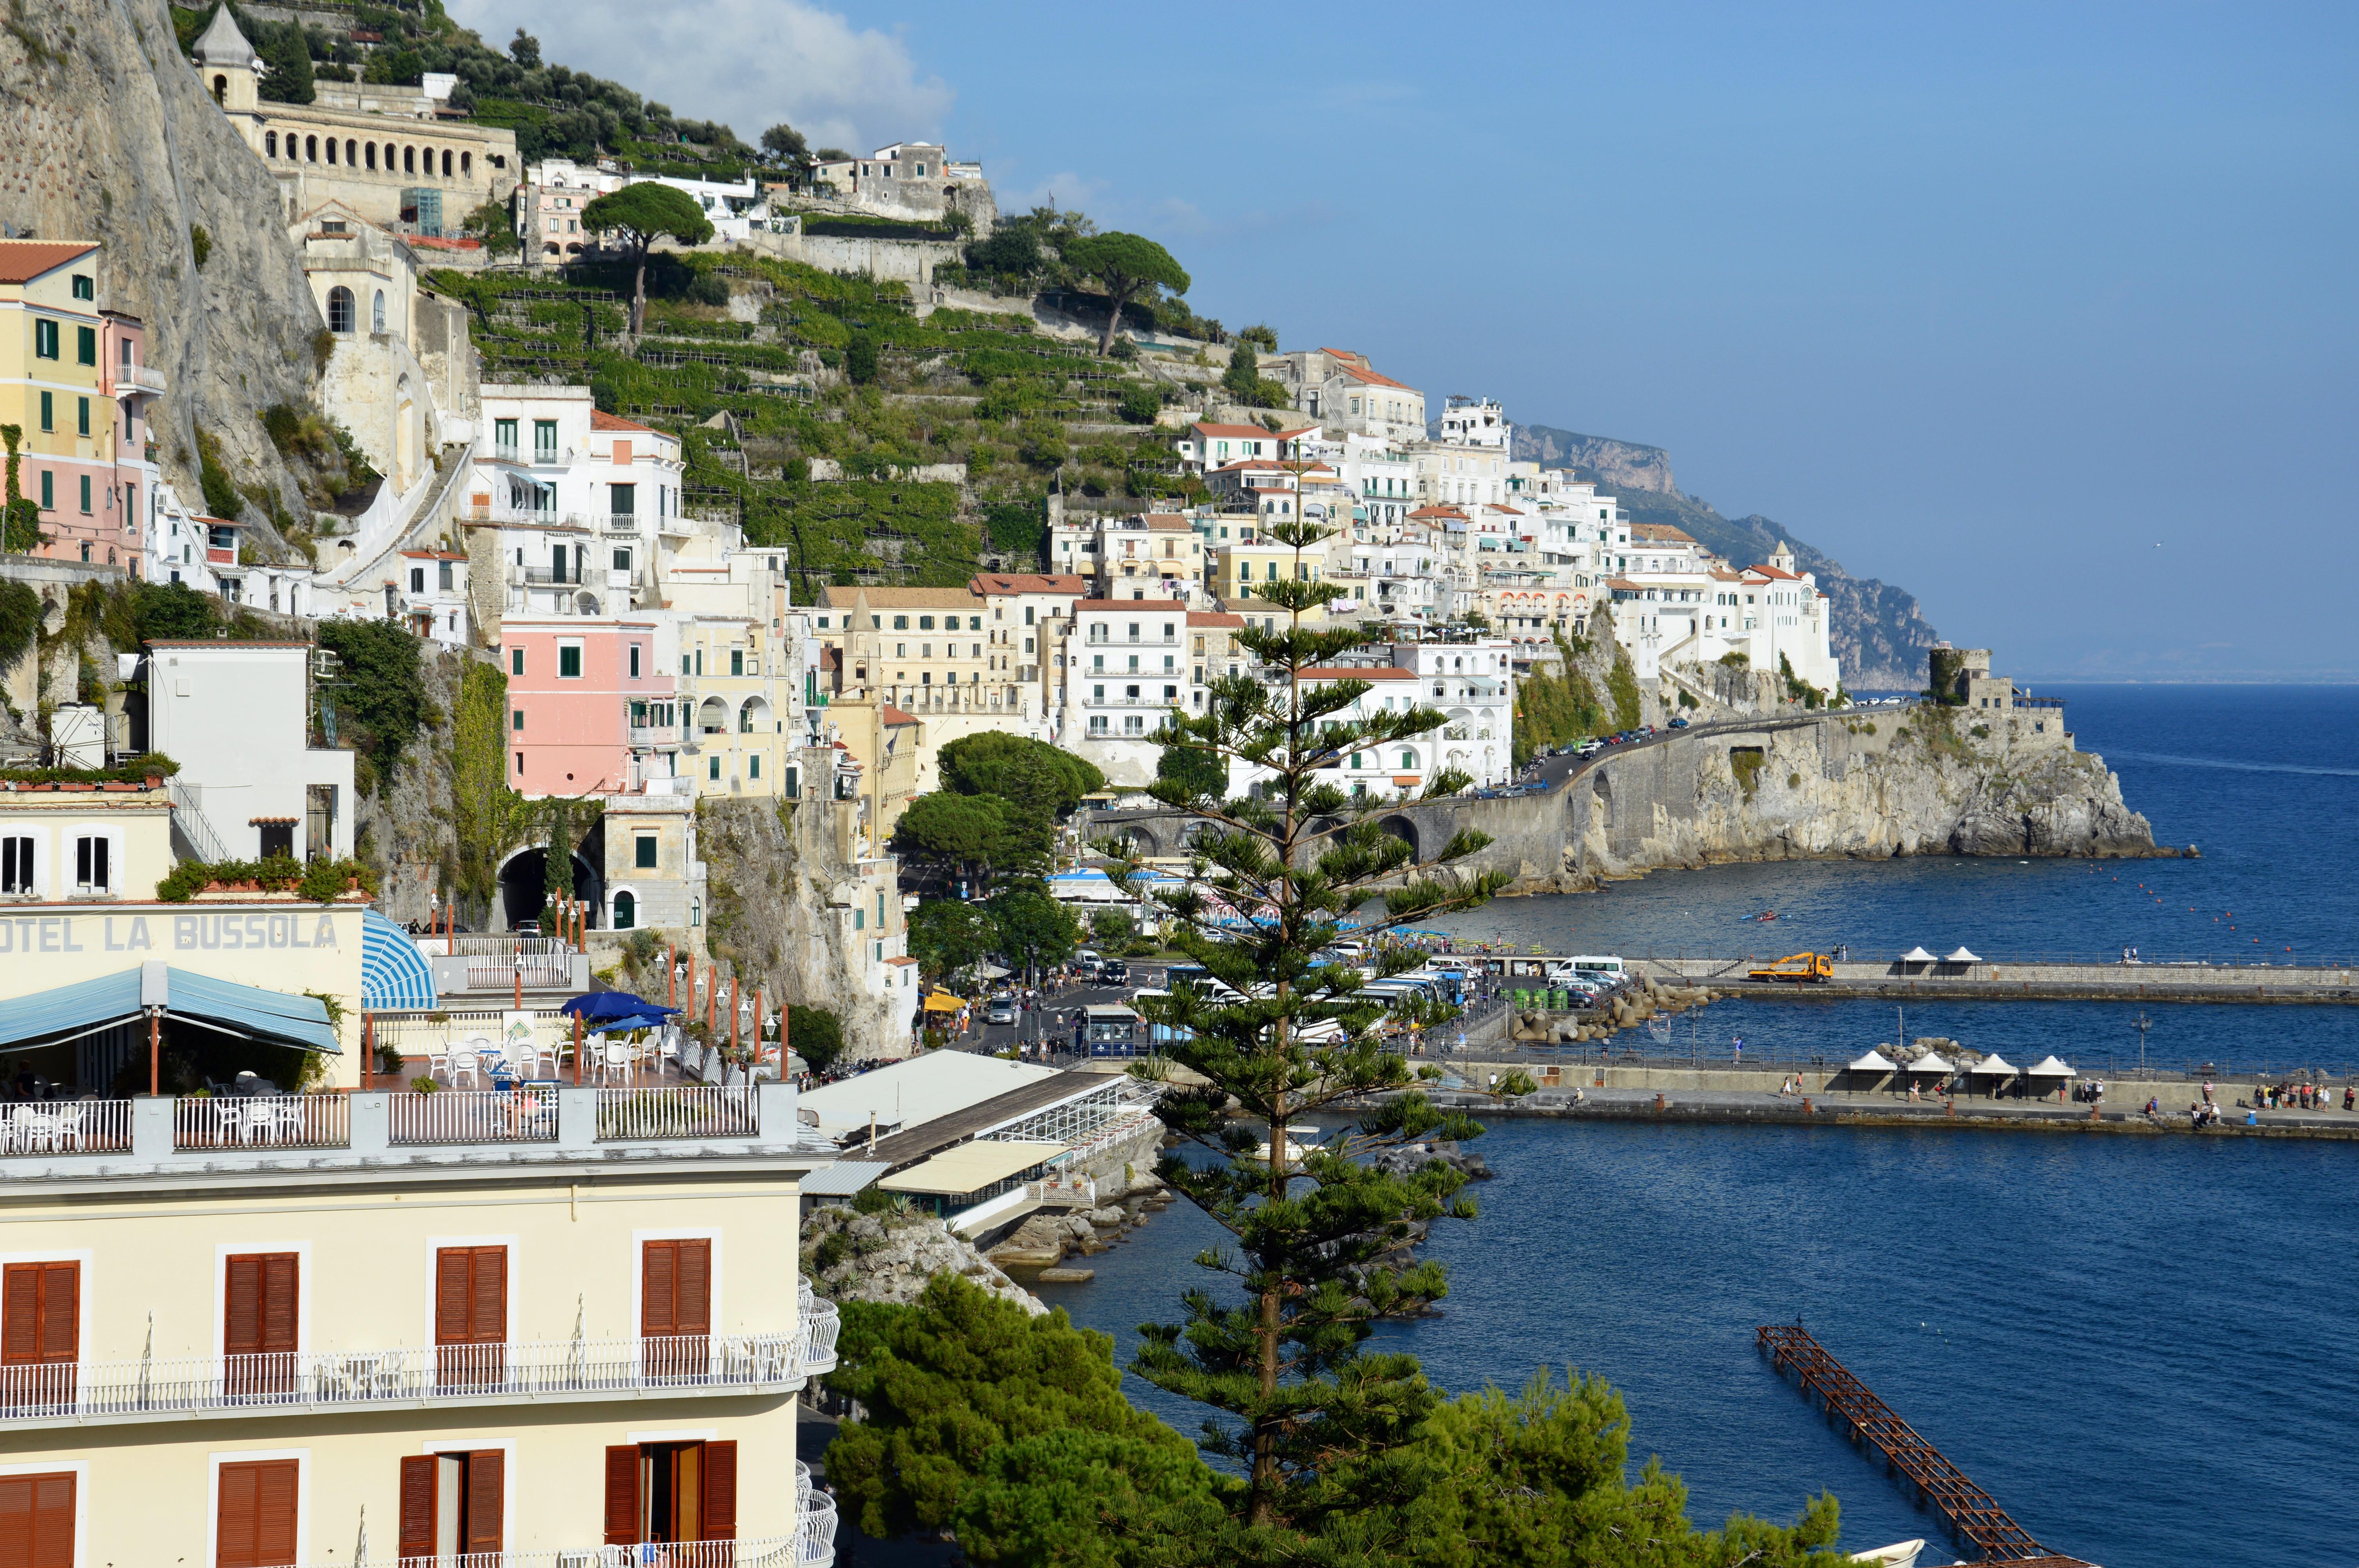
1556	772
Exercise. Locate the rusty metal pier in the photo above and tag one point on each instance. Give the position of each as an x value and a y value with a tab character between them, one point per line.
1974	1517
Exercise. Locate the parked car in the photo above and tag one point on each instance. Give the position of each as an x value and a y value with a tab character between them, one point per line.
1001	1011
1680	723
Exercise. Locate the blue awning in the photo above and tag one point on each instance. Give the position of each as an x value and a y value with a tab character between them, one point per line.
89	1005
395	976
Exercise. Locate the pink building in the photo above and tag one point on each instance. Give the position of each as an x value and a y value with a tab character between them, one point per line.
591	704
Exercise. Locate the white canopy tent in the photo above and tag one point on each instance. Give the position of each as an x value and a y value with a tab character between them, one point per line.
2050	1069
1872	1062
1992	1066
1931	1061
1962	955
1917	956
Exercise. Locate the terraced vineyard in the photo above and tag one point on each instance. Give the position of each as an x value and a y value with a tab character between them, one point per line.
751	362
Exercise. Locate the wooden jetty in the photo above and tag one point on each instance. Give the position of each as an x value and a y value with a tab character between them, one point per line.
1973	1514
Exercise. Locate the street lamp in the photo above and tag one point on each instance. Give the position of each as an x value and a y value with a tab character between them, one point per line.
2143	1023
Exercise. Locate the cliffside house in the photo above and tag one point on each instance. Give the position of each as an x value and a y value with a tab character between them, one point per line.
74	380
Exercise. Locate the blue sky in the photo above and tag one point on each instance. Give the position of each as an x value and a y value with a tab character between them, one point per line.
1987	301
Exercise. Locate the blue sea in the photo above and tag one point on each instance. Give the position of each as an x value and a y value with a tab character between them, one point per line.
2138	1346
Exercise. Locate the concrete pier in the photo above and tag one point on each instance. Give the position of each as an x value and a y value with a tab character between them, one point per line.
1891	980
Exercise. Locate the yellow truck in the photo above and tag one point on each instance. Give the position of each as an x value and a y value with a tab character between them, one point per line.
1799	969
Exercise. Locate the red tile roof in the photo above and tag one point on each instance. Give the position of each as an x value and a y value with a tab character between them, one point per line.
602	421
1207	618
1143	605
1030	582
1241	432
1774	572
1373	672
893	716
21	261
1438	512
1360	373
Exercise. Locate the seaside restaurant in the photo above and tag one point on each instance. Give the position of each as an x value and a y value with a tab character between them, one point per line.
108	992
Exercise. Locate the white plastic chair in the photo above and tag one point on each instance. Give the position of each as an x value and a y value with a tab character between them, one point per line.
614	1059
464	1065
525	1061
32	1129
438	1064
68	1126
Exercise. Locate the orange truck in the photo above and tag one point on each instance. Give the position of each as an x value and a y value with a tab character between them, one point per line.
1799	969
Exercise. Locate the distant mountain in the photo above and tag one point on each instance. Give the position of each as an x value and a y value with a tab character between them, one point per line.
1879	631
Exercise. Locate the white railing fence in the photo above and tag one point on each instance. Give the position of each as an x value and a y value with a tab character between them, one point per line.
308	1380
1064	1191
282	1121
688	1111
473	1115
420	1035
777	1552
67	1127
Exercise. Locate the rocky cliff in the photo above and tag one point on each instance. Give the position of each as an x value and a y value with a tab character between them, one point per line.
1924	782
107	134
1879	631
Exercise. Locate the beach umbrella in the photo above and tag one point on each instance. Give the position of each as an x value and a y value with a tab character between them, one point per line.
1961	957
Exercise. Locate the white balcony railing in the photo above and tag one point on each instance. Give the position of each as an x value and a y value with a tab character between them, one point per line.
471	1116
67	1127
297	1382
693	1110
811	1546
281	1121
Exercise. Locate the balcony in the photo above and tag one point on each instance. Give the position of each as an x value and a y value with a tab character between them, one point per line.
415	1377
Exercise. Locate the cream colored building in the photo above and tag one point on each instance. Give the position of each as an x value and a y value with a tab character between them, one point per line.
545	1336
392	153
928	652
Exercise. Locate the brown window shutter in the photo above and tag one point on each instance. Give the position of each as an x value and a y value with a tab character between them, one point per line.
61	1310
486	1481
37	1520
622	1496
721	1491
274	1506
658	1287
242	1334
450	1296
40	1312
237	1517
694	1312
488	1296
20	1317
418	1505
280	1288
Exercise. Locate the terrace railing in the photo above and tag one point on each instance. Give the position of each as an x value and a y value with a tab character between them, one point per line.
473	1116
688	1110
274	1121
67	1127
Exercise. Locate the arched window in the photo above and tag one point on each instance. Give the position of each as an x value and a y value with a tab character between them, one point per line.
372	155
410	160
466	163
311	149
269	144
446	162
376	312
352	151
340	309
626	911
221	89
331	150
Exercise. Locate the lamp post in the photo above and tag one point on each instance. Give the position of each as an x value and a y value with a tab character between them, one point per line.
2142	1023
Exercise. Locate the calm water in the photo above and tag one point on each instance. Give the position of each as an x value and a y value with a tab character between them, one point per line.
2138	1346
2264	780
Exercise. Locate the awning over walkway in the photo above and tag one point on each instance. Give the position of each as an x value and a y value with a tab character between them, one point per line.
70	1012
971	1167
395	976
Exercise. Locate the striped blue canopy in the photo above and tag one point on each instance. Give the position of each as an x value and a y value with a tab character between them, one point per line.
395	976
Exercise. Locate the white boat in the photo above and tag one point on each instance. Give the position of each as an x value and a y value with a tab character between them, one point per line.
1899	1555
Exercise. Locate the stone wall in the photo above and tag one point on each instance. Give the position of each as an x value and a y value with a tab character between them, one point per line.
887	261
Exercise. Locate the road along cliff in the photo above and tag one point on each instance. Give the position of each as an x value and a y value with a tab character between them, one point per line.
1857	783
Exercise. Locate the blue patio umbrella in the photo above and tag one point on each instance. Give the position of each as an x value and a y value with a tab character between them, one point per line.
607	1011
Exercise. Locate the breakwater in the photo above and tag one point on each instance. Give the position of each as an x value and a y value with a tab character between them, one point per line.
1900	981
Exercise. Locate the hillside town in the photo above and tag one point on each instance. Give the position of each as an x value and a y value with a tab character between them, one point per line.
633	956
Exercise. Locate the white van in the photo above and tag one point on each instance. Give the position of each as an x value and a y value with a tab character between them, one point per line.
1592	970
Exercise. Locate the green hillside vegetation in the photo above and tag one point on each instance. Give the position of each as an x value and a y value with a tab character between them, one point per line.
968	388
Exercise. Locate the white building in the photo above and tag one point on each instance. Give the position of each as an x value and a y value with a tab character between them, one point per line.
1128	667
1476	422
583	501
1473	684
1208	446
548	207
1344	392
237	717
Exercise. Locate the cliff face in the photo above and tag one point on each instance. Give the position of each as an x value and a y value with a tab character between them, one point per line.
1847	786
773	881
107	134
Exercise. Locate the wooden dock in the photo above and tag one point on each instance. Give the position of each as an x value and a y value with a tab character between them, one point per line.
1974	1517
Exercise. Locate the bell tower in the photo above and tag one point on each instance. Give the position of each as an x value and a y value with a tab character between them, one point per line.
225	64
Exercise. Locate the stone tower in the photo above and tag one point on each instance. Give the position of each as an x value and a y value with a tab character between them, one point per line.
225	61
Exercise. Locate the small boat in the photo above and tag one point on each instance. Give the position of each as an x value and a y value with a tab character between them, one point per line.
1764	915
1899	1555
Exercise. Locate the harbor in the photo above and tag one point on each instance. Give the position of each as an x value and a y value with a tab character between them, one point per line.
1929	977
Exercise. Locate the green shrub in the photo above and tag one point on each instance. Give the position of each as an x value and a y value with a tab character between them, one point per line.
1139	405
201	245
